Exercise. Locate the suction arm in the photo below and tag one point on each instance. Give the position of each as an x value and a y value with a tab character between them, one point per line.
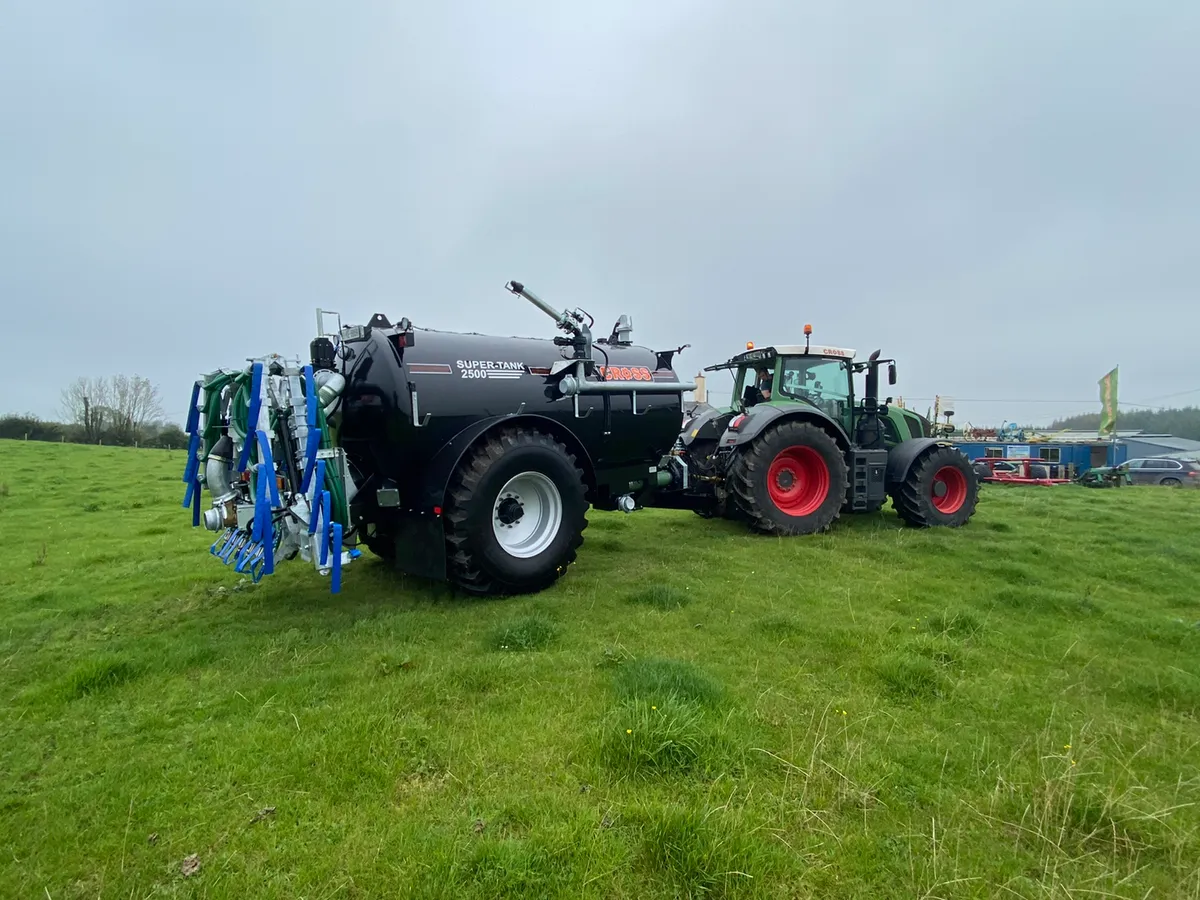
564	319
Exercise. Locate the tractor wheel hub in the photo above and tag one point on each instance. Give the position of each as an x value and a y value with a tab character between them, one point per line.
509	511
939	489
785	479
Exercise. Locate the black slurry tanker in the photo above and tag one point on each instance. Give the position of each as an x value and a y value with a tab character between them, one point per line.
474	459
460	457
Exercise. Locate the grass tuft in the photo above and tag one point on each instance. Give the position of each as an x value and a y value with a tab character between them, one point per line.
101	674
699	856
672	735
779	625
533	632
651	680
961	623
906	675
660	596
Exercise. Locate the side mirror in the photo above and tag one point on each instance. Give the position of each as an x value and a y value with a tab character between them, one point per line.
891	373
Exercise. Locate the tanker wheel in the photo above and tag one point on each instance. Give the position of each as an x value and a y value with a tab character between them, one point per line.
790	480
515	514
941	489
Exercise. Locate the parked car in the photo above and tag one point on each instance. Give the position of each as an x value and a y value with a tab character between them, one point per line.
1163	470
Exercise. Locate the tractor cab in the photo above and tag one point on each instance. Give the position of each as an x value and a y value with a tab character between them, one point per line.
818	376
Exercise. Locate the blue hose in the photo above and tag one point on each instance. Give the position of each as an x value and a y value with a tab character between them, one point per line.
314	433
193	419
316	504
325	529
336	581
267	464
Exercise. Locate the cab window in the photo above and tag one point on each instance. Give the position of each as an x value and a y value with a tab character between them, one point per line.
745	388
823	382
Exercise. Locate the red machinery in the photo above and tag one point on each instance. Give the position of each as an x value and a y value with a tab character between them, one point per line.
1021	472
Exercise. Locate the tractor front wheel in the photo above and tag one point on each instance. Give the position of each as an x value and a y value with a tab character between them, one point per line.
515	514
941	489
790	480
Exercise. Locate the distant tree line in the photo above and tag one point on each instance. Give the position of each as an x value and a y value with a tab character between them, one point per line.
120	410
1183	422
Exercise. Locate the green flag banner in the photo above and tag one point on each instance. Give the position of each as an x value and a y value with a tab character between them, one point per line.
1108	401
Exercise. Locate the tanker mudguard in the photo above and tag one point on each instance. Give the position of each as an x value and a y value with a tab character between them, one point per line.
904	454
759	418
436	477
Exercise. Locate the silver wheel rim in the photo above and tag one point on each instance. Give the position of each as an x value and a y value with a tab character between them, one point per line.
527	514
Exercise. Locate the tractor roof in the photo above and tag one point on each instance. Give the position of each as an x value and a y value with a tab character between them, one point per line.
765	354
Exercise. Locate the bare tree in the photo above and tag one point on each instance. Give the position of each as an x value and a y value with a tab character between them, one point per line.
121	405
135	402
86	402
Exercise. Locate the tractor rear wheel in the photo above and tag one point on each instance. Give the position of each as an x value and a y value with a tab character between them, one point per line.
941	489
515	514
790	480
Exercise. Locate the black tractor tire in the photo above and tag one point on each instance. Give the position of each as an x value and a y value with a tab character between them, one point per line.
790	480
484	501
941	490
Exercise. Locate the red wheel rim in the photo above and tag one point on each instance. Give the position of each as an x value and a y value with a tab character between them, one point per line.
949	489
798	481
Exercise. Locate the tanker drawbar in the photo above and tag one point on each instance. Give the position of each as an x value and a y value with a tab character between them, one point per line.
454	456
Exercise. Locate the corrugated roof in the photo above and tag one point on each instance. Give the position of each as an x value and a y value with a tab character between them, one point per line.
1184	445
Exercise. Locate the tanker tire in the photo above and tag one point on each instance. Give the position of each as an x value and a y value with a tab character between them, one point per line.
477	562
750	472
914	498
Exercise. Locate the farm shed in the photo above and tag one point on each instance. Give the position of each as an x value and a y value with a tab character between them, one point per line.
1141	445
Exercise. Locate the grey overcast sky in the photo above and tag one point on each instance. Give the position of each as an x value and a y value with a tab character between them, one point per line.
1003	196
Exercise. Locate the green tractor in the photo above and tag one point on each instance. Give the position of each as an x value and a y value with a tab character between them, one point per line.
795	448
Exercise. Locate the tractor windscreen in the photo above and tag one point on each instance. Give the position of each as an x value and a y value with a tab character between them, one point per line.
823	382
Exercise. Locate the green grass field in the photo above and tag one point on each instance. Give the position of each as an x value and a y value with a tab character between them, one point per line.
1008	709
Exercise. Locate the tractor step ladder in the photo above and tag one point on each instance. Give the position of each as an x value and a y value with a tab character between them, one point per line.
868	470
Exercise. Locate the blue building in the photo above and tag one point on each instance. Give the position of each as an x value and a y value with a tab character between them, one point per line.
1064	453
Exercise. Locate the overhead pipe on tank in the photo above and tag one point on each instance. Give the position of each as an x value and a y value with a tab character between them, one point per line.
567	321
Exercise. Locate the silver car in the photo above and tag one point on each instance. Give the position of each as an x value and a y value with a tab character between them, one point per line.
1163	470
